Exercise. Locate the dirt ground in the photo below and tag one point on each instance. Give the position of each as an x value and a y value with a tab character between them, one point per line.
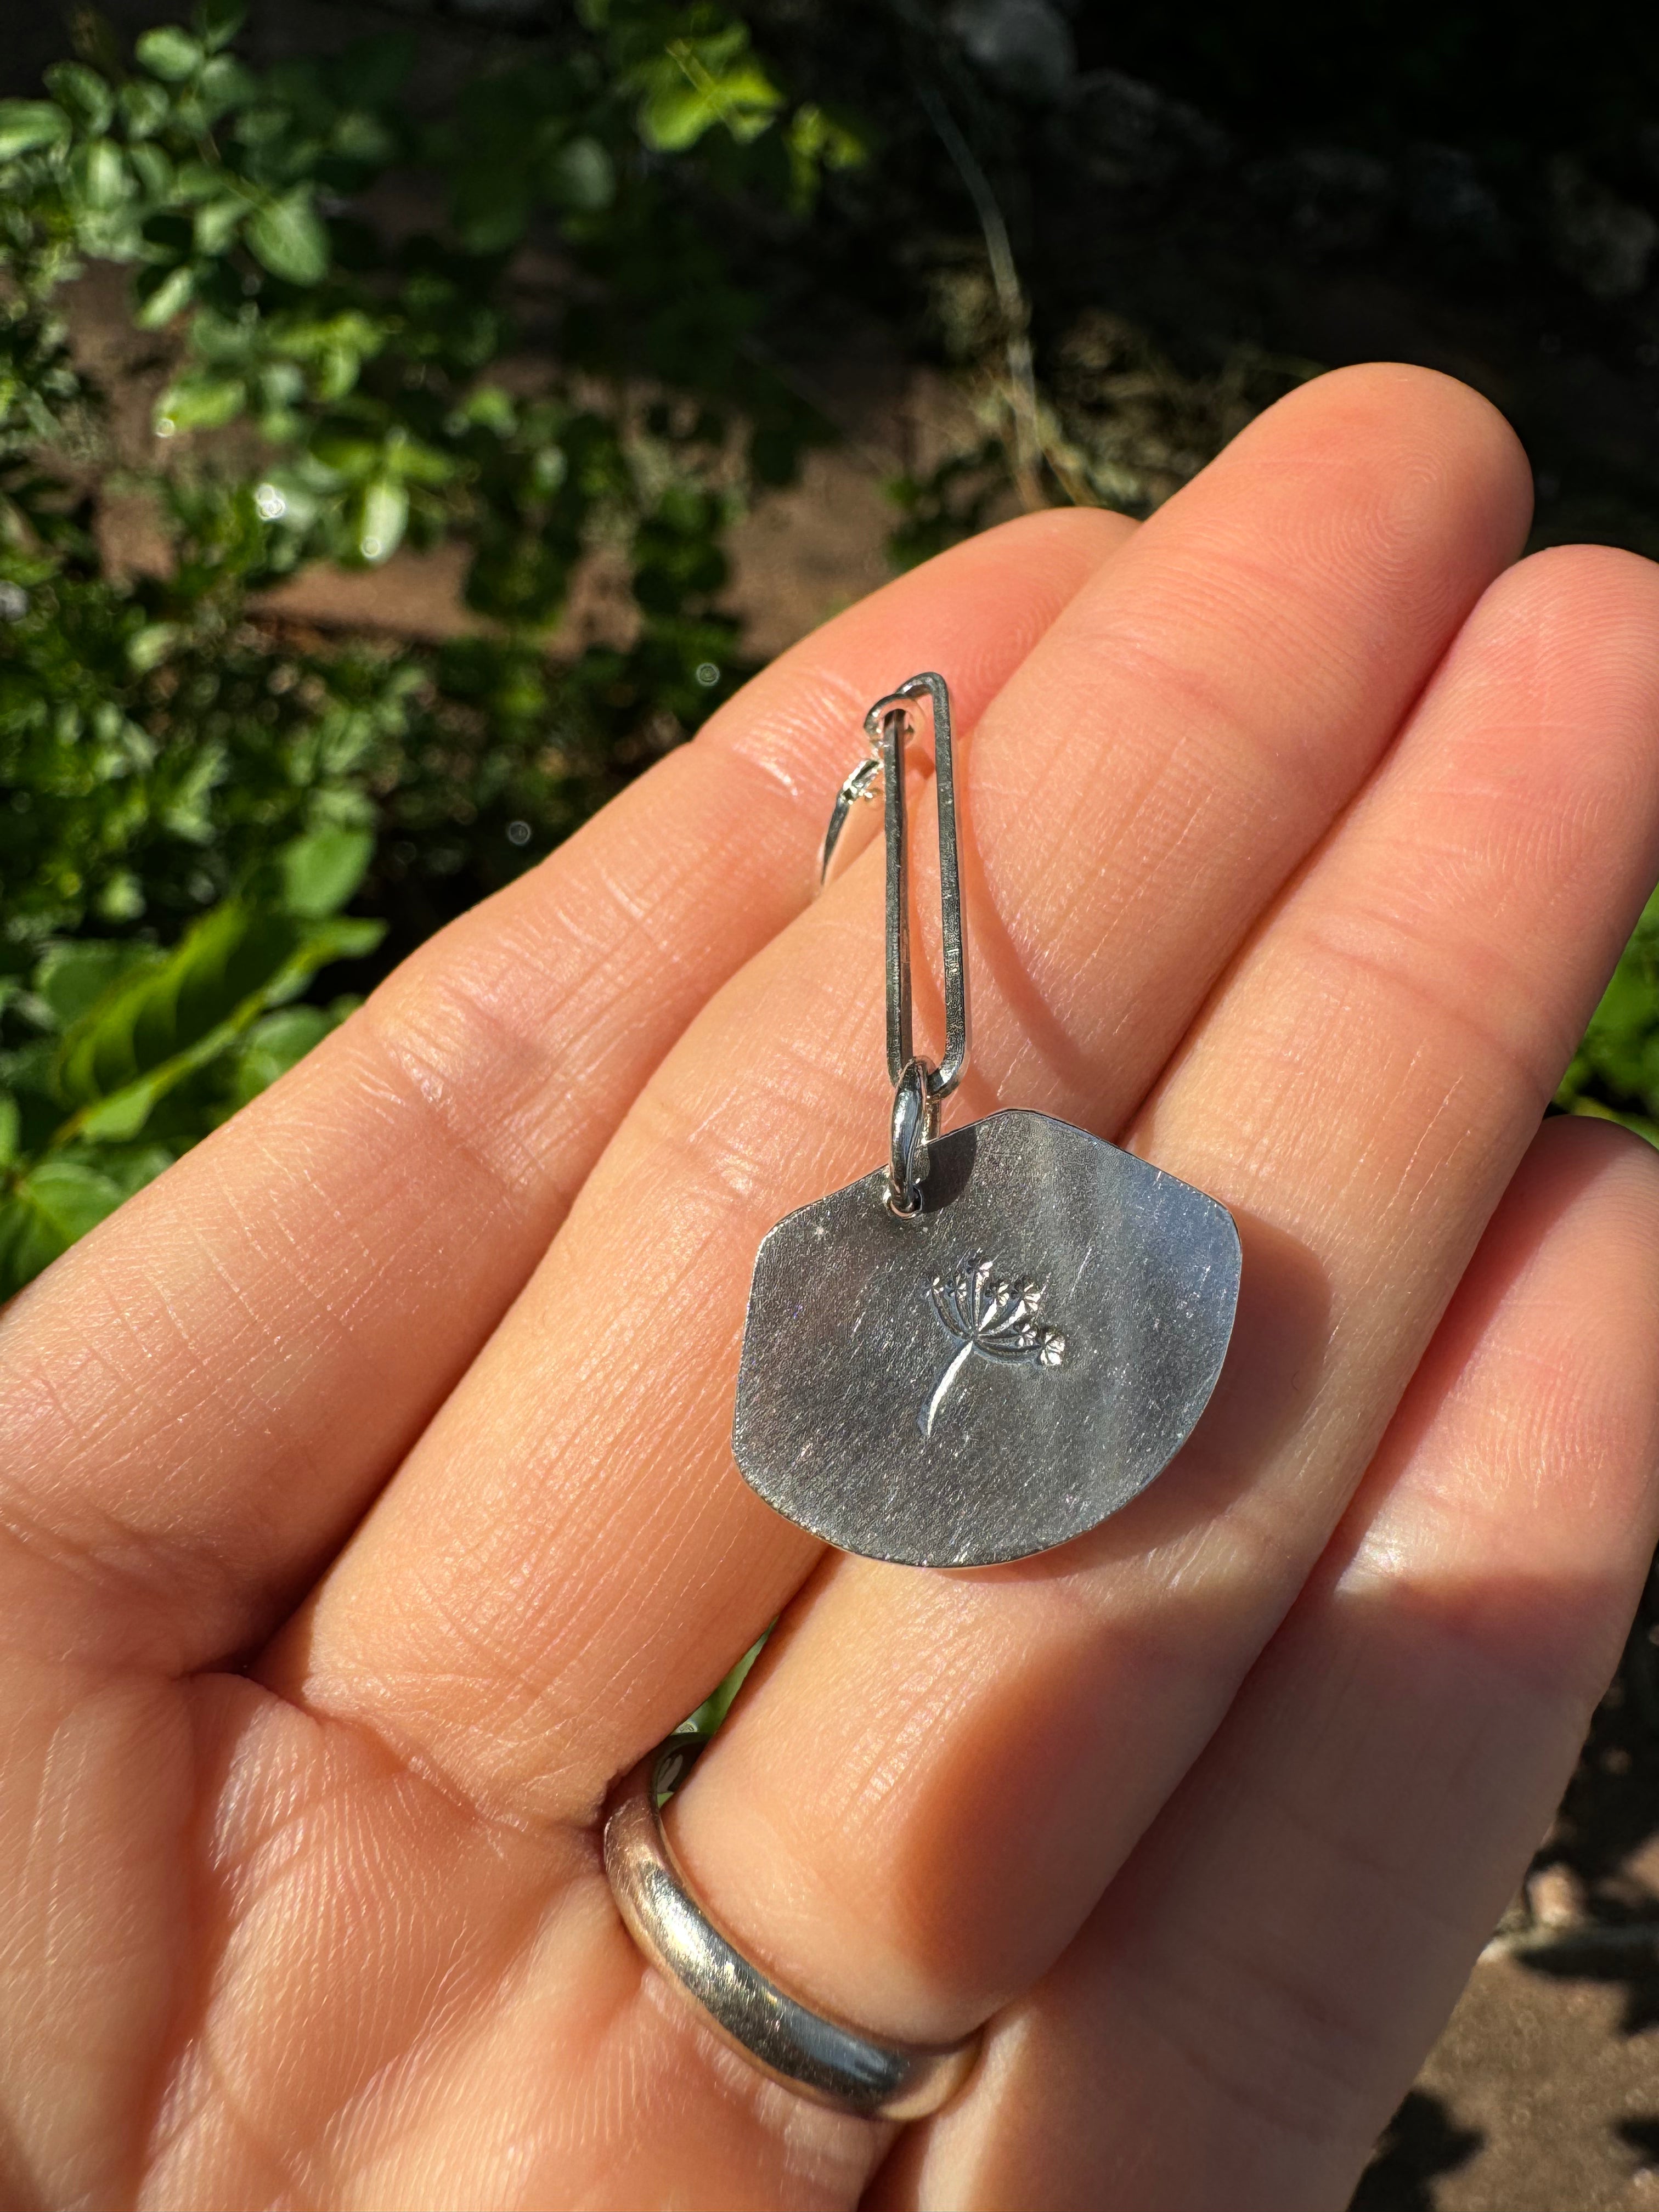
1542	2095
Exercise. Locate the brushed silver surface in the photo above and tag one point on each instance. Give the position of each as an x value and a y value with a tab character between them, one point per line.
996	1374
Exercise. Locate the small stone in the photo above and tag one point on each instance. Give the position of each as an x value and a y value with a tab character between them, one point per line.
1556	1897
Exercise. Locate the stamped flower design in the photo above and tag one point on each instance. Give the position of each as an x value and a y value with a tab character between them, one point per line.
986	1312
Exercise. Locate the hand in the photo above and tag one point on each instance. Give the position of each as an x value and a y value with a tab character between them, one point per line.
368	1500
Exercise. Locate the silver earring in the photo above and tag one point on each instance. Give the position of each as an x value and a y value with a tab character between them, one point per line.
987	1346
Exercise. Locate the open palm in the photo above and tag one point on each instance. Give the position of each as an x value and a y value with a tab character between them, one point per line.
367	1499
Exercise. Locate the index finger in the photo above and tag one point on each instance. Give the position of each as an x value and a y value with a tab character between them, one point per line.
201	1398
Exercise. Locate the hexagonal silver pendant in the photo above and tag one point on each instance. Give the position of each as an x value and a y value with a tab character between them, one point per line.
998	1373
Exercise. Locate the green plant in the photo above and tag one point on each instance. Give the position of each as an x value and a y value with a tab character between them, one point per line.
1615	1072
364	366
176	766
121	1054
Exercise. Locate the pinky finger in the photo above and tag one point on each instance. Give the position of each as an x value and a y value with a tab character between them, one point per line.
1254	1992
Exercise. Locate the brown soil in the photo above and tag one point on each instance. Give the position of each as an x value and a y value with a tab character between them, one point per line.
1542	2095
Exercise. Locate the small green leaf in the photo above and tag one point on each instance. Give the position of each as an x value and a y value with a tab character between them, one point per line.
148	647
200	401
379	517
152	168
581	176
28	124
346	453
199	180
82	93
169	53
215	222
224	84
490	407
275	1044
262	124
57	1202
162	294
321	870
170	1003
102	175
70	978
335	372
10	1129
696	84
188	812
290	238
716	1706
412	460
116	1121
122	897
217	22
144	107
548	469
817	141
358	136
341	937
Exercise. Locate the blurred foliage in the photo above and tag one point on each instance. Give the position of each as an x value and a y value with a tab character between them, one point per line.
1616	1071
126	1054
545	313
190	793
712	1711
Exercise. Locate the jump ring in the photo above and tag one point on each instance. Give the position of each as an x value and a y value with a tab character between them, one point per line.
810	2051
914	1117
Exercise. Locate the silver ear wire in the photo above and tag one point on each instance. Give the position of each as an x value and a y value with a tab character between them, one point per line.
860	784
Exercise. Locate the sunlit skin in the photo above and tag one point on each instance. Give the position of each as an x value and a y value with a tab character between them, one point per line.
367	1495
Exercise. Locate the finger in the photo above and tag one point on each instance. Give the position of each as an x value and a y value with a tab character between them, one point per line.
1257	1989
569	1560
1358	1092
200	1398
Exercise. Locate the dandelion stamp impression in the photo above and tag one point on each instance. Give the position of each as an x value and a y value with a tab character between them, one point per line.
982	1311
981	1349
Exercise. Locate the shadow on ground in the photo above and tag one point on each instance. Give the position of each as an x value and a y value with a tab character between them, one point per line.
1422	2142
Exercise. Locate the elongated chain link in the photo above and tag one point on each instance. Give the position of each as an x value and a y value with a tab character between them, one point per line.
918	1086
888	726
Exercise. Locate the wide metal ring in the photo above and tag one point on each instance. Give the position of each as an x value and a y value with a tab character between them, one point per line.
812	2052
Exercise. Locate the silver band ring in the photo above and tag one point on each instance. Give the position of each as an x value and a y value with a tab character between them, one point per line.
810	2051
